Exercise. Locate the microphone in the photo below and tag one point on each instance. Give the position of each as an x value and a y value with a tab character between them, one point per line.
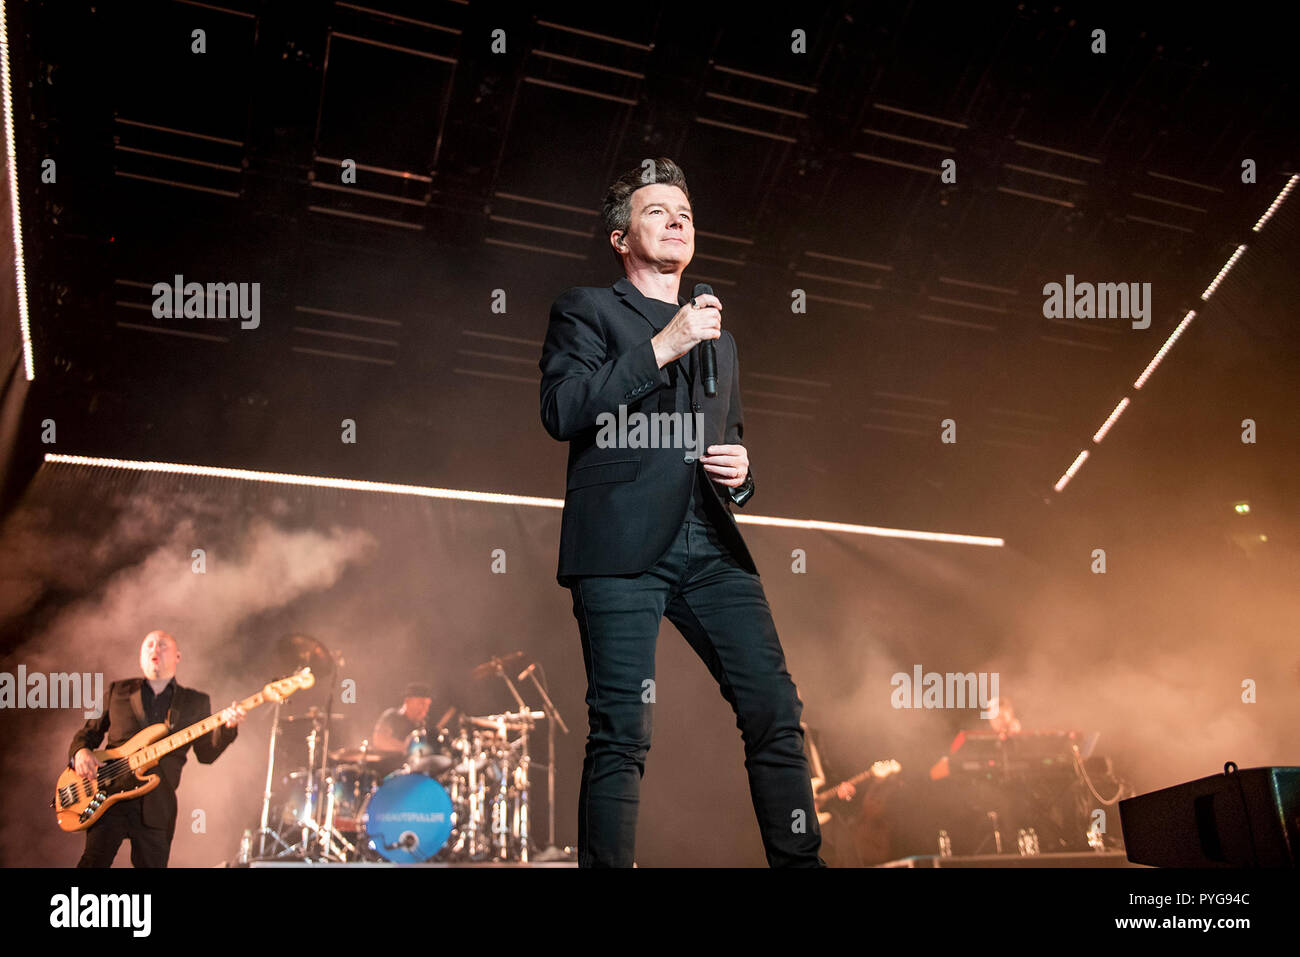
407	842
527	671
708	353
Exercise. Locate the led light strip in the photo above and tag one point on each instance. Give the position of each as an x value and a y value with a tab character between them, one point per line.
1169	344
11	158
284	478
498	498
1064	480
871	530
1268	213
1227	267
1119	409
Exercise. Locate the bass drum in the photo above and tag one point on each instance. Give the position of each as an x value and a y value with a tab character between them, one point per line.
407	819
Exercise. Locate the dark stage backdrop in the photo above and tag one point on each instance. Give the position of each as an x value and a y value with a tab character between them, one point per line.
404	588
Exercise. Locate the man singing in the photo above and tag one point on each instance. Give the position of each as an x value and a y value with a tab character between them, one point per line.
134	704
646	531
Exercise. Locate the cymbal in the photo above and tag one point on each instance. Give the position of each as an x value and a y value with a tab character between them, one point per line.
494	664
514	721
294	651
357	756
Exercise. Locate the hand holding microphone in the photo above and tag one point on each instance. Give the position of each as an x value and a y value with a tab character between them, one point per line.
698	321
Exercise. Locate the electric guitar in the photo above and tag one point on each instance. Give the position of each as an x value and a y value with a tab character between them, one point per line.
878	772
80	802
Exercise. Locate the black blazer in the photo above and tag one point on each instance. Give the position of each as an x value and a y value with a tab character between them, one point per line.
125	717
623	506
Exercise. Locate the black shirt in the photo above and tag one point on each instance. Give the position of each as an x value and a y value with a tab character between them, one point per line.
695	510
396	723
156	706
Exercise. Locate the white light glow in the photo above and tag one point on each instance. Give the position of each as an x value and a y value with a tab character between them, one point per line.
498	498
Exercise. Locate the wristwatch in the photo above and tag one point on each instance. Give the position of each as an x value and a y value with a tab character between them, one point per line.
742	494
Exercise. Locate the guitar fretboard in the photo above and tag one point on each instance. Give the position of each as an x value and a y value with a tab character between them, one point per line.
164	746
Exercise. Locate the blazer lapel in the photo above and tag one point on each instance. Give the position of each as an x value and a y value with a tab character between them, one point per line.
624	289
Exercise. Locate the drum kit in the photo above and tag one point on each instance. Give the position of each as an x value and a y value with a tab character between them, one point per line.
459	792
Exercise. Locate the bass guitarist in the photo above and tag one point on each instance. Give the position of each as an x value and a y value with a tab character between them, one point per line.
133	704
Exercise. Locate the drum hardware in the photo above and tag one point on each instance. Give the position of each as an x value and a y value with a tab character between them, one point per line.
314	715
316	836
296	651
495	666
424	756
360	755
407	819
552	714
462	793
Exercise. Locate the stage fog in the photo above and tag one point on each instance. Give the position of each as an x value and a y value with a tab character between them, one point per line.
1161	662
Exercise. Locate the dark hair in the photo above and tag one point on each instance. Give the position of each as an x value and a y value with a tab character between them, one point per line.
616	211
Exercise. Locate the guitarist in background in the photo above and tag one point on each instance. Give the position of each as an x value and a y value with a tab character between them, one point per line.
854	833
836	845
134	704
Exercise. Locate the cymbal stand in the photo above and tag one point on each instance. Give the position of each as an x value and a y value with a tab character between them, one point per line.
553	718
501	799
309	802
520	818
332	835
264	830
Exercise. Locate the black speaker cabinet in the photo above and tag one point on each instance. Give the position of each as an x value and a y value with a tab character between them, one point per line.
1247	818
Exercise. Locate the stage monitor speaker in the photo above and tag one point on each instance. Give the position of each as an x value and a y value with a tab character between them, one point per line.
1247	818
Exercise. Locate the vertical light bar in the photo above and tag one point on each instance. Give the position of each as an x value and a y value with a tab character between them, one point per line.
1064	480
11	160
1105	426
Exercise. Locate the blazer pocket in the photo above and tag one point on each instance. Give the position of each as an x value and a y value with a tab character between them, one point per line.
624	470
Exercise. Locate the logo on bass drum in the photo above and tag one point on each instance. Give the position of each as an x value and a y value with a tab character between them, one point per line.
412	816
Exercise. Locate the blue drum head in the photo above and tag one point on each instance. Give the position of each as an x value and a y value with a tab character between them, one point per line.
408	819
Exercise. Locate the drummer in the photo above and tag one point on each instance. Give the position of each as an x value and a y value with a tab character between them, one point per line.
395	724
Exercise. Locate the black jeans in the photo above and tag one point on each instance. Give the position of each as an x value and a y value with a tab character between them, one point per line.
722	612
150	846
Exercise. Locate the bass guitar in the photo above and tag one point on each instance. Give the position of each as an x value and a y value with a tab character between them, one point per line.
80	802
